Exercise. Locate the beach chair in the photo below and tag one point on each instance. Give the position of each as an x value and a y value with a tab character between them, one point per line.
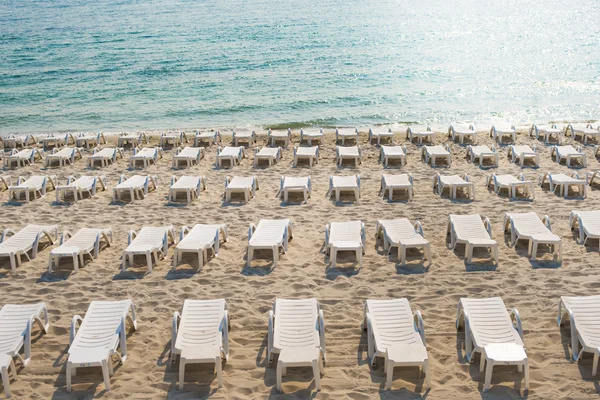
306	153
400	233
397	335
379	133
62	157
199	240
292	184
585	131
192	186
200	335
490	331
54	141
15	245
89	140
149	241
471	231
297	333
189	155
340	184
282	136
587	223
249	137
388	153
344	134
87	241
584	317
270	154
348	153
34	185
528	226
430	154
133	139
23	158
498	133
270	234
172	138
233	155
453	183
105	156
568	153
546	133
101	335
213	137
77	187
310	135
13	142
563	182
135	185
16	325
420	134
147	156
481	153
247	185
519	154
390	183
461	131
511	184
5	182
345	236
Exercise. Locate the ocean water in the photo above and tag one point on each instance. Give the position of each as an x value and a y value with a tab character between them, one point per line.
120	65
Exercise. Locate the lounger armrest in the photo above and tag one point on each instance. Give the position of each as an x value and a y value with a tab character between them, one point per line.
64	237
321	328
251	231
419	228
70	179
154	180
465	176
73	331
575	175
20	180
173	180
131	235
447	147
488	226
122	178
184	231
270	334
546	221
489	179
420	326
494	150
53	180
521	177
135	150
517	323
227	180
6	233
410	178
174	329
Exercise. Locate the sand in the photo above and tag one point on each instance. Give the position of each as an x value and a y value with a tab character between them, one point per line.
533	287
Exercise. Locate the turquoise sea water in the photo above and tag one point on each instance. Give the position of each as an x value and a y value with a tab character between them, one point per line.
157	64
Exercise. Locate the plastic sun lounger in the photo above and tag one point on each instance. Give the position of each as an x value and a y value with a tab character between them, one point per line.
37	184
248	185
150	241
274	136
199	240
546	133
57	141
583	312
453	183
306	153
432	153
175	139
192	186
270	234
270	154
586	132
563	182
568	153
16	325
88	140
511	184
471	231
381	133
587	223
200	334
23	158
397	335
86	241
490	331
461	131
84	184
133	139
521	153
189	155
101	335
297	333
147	156
12	141
400	233
105	156
344	134
5	182
388	153
289	184
340	184
310	135
390	183
345	236
249	137
213	137
135	185
348	153
499	132
481	153
233	155
64	156
15	245
528	226
420	134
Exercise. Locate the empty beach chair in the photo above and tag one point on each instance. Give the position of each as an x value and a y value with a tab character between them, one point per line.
55	141
294	184
345	236
147	156
481	153
519	154
247	185
471	231
199	240
200	335
213	137
149	241
587	223
388	153
64	156
546	133
5	182
397	335
189	155
490	331
498	132
88	140
14	245
135	185
306	153
34	185
282	136
563	182
568	153
430	154
102	334
344	134
348	153
511	184
233	155
86	241
270	234
585	131
420	134
390	183
400	233
453	183
192	186
105	156
462	131
133	139
172	138
340	184
13	142
249	137
310	135
379	133
528	226
270	154
77	187
297	333
23	157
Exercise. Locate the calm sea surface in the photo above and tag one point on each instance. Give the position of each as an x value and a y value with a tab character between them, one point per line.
159	64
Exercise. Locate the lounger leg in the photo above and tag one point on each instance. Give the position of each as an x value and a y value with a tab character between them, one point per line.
317	373
6	381
13	266
402	251
279	374
488	376
219	367
534	249
69	372
427	374
200	258
275	255
106	375
595	365
482	363
337	195
390	374
469	250
333	255
359	257
75	263
249	256
181	372
149	260
390	194
526	374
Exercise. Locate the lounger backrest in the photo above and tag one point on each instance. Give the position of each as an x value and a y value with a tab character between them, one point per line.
102	325
585	311
346	231
392	322
201	234
527	223
296	323
34	182
152	235
489	321
201	323
398	228
469	226
271	230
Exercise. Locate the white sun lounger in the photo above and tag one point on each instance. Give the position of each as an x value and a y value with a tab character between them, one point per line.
62	157
136	185
397	335
14	245
23	158
340	184
270	234
420	134
568	153
563	182
133	139
175	139
490	331
310	135
388	153
12	141
381	133
293	184
89	140
297	333
528	226
86	241
233	155
453	183
249	137
586	132
348	153
189	155
105	156
5	182
248	185
274	136
471	231
200	335
432	153
198	240
57	141
587	223
344	134
147	156
270	154
461	131
400	233
546	133
101	335
192	186
211	138
499	132
345	236
521	153
34	185
86	183
306	153
481	153
390	183
511	184
150	240
584	316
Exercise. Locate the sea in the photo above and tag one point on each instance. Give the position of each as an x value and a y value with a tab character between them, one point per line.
126	65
